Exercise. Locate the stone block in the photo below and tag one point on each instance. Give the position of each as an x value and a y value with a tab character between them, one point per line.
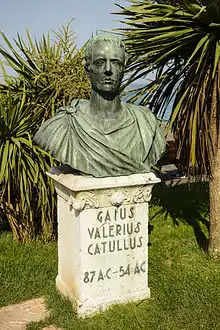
103	239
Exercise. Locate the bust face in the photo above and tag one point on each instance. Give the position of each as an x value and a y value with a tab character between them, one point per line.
106	67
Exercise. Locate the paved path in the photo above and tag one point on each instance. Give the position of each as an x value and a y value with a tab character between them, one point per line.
17	316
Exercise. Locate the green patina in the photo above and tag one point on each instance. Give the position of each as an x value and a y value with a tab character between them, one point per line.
104	136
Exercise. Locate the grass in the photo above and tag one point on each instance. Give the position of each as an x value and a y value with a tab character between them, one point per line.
184	281
26	270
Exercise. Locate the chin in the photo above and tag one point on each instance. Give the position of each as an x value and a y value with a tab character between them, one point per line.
110	90
107	89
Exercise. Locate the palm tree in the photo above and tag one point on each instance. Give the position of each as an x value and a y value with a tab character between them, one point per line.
51	69
27	199
180	42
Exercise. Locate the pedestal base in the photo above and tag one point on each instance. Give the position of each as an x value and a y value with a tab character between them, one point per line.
103	239
90	306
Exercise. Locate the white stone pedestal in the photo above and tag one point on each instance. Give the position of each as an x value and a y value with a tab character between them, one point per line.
103	239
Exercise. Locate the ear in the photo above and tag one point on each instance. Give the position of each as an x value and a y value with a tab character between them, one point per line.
86	66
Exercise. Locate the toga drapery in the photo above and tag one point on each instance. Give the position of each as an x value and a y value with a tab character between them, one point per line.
130	144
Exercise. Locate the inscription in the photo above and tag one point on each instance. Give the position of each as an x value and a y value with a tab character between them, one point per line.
116	214
115	245
107	274
116	231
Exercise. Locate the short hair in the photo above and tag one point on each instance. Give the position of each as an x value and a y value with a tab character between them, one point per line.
103	37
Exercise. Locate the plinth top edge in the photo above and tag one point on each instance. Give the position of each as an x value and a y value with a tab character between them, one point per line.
80	182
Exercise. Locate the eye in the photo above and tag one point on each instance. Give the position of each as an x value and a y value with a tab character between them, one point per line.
99	62
116	63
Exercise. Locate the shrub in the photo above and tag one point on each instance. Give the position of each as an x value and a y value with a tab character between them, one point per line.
48	74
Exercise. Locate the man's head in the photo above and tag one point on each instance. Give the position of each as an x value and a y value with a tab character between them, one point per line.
105	63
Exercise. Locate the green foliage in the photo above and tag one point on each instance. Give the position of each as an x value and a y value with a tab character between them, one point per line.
48	74
52	69
27	197
180	42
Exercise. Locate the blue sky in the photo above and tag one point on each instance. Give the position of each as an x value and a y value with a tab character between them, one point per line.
41	15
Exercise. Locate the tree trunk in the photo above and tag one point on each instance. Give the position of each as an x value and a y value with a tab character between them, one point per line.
214	237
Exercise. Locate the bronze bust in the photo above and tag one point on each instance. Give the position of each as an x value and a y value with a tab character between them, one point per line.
104	136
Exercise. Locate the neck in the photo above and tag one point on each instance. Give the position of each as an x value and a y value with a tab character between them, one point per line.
105	106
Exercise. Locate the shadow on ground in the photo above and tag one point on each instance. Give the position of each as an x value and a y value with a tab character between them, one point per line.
188	203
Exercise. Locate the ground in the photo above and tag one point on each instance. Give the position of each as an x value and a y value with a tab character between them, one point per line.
184	280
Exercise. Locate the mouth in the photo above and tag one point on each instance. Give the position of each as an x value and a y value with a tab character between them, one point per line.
108	81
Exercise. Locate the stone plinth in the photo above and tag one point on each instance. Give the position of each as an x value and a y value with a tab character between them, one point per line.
103	239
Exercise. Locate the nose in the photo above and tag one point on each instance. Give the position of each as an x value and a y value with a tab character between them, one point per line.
108	68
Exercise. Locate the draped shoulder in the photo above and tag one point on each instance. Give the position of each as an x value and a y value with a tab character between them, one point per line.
55	135
150	131
73	139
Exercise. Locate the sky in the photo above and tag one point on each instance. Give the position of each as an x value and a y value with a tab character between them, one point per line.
39	16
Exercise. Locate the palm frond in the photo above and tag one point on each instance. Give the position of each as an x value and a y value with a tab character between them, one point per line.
180	42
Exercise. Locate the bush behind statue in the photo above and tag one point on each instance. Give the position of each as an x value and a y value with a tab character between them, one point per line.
48	74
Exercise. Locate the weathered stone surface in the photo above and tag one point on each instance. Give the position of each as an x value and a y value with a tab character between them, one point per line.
17	316
102	239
